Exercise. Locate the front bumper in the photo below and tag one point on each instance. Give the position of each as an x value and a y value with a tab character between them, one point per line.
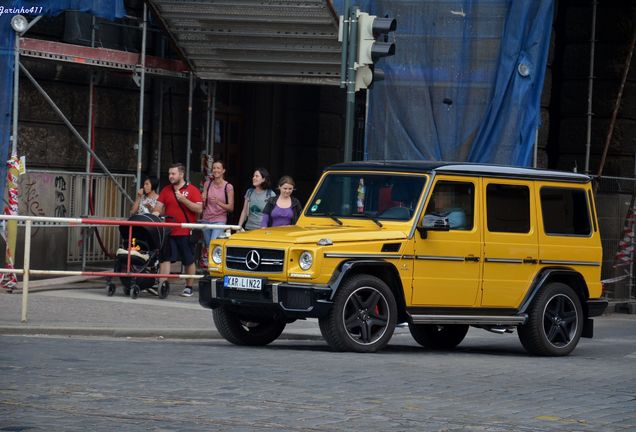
293	301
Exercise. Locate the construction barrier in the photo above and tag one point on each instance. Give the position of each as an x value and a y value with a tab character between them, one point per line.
26	270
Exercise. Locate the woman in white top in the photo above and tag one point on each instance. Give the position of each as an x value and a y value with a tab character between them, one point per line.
255	199
146	196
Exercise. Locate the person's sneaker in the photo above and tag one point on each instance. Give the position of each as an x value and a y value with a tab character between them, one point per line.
187	292
153	290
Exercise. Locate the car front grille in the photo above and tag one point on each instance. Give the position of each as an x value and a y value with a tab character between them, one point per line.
256	260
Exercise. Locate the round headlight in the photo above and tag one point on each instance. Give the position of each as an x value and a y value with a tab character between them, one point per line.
217	254
306	260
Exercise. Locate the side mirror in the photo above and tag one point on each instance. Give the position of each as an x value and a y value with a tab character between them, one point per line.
433	222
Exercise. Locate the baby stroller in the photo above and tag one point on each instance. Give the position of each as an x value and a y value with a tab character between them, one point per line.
147	242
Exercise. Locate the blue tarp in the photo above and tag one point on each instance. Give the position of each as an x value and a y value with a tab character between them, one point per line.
465	83
108	9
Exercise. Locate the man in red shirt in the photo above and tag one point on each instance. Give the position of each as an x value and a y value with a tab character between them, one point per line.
182	202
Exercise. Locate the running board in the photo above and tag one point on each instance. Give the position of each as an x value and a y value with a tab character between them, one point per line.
469	319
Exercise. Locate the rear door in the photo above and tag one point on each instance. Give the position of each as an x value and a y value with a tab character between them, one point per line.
567	235
511	250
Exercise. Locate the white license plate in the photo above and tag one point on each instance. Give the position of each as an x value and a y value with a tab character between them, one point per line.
244	283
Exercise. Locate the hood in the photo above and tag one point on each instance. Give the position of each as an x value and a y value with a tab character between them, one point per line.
298	235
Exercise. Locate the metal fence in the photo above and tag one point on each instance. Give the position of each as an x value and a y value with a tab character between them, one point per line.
108	202
615	203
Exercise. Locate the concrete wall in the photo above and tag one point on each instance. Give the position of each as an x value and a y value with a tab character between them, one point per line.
44	195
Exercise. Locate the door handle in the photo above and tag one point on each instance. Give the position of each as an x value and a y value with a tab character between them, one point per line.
530	260
471	258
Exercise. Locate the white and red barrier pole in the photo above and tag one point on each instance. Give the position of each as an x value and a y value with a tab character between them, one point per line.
26	271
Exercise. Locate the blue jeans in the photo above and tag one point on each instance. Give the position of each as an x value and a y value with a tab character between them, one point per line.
210	234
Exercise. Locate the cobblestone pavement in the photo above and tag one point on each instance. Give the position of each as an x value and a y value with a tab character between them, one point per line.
488	384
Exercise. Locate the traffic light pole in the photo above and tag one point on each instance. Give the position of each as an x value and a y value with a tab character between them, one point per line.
350	45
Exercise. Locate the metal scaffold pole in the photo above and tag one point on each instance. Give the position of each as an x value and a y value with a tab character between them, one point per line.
89	140
590	89
160	126
208	91
16	89
189	136
142	88
212	120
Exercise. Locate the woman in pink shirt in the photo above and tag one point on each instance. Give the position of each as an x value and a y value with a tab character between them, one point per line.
218	201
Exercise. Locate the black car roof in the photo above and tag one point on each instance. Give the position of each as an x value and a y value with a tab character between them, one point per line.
462	168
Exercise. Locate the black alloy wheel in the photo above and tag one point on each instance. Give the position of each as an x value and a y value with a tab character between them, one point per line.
555	322
363	316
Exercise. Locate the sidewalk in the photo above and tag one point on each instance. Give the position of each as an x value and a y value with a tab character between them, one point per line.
84	309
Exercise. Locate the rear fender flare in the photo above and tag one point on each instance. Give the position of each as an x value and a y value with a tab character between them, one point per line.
568	276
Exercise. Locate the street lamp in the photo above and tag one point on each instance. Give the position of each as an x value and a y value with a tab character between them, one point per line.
19	23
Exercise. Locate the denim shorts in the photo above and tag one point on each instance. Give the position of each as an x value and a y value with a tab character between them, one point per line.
211	234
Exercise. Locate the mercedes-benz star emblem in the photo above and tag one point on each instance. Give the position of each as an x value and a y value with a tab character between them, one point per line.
252	259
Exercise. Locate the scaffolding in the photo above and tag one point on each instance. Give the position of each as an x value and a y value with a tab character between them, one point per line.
138	65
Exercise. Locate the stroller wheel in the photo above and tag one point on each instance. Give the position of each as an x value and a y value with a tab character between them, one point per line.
164	289
134	291
110	289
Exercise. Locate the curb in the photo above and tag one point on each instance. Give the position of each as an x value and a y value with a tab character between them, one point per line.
132	332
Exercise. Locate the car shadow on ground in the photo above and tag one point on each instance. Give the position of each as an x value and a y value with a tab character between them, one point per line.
399	347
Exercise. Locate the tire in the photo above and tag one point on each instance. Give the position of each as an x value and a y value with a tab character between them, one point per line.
363	316
438	337
126	282
555	322
134	291
164	289
110	289
245	332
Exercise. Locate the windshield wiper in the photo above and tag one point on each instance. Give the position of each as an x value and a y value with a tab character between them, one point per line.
373	218
335	218
377	221
331	215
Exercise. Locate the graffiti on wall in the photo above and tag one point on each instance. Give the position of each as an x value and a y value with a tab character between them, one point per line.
60	197
43	195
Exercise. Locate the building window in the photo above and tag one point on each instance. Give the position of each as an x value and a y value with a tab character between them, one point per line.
565	211
508	208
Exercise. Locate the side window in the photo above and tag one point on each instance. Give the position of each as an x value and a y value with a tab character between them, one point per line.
508	208
565	211
454	201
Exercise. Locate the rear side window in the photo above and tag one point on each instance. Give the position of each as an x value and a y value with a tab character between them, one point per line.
508	208
565	211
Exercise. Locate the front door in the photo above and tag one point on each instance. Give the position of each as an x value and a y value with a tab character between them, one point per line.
511	249
447	263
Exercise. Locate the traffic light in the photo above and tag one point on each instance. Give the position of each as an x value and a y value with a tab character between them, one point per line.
373	44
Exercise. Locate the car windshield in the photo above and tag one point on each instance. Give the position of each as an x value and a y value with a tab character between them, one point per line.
367	195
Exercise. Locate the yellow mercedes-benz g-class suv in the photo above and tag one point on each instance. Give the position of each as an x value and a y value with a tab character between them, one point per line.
441	246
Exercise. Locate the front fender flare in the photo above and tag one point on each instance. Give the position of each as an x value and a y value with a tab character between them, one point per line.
348	267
